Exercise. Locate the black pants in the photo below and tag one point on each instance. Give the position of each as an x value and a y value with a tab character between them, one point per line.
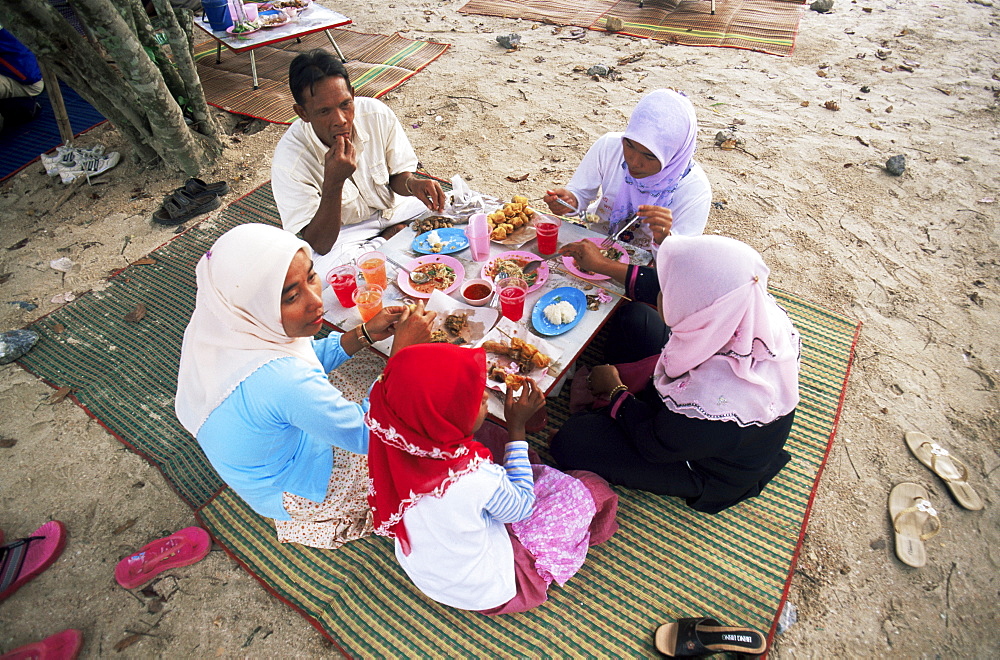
635	332
593	441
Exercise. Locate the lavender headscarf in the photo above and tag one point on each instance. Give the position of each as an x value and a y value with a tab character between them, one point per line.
733	353
663	122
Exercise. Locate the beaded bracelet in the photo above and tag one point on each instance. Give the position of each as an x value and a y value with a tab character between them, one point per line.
616	390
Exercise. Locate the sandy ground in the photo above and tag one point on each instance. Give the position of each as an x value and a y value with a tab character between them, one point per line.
913	257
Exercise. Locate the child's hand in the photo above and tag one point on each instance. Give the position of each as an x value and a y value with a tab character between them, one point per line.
518	410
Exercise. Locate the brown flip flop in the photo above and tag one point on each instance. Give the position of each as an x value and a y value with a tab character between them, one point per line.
911	512
946	466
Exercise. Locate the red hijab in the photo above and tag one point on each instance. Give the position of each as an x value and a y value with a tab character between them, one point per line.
423	408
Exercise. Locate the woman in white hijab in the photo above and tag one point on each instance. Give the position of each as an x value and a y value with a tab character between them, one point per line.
648	170
252	386
706	417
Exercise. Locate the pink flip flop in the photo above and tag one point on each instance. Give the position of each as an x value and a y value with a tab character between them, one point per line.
182	548
25	558
63	645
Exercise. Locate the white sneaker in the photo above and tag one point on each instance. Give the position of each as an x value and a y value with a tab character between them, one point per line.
93	166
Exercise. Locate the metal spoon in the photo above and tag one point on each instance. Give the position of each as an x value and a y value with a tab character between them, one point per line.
416	278
533	265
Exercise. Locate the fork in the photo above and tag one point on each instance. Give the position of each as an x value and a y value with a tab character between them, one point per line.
612	238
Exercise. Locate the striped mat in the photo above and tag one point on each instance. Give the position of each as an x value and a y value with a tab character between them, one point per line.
666	561
377	63
21	145
767	26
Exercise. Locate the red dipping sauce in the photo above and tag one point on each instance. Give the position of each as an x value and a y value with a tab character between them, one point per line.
476	291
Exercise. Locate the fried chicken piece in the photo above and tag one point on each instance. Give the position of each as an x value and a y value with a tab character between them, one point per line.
519	199
455	323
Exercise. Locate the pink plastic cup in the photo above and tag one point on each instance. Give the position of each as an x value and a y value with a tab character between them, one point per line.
547	233
478	233
344	282
512	292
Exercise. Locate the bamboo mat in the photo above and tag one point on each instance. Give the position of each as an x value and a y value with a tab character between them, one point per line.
767	26
666	561
377	63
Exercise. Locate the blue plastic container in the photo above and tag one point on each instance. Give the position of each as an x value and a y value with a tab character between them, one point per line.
217	14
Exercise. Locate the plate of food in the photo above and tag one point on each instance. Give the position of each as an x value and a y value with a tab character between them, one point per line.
559	311
458	323
511	223
510	263
510	358
242	30
446	275
616	252
441	241
273	18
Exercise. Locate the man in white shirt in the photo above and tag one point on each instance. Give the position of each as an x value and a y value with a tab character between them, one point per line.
338	169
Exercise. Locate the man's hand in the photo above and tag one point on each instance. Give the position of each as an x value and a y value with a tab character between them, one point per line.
427	191
339	163
518	410
659	219
568	203
413	327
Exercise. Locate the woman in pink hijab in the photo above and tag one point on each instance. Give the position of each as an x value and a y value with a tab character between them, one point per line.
706	417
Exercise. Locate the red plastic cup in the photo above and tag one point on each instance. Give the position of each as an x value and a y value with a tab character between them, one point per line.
368	298
344	282
547	233
512	293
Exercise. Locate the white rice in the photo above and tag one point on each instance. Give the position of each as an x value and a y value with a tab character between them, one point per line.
560	313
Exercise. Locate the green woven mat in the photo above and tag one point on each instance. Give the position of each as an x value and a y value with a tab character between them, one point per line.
767	26
666	561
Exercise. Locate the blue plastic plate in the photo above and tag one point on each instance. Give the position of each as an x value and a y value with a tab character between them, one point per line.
570	294
454	239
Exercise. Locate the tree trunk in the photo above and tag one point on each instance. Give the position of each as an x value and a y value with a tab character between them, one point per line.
132	93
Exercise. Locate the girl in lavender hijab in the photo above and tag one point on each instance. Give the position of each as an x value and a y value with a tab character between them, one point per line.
648	170
706	416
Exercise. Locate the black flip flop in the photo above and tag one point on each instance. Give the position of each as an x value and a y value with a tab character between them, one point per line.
182	206
706	636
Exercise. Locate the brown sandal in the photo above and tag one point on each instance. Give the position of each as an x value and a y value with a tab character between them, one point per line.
911	512
946	466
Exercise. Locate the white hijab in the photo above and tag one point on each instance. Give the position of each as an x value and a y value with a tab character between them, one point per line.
733	353
236	325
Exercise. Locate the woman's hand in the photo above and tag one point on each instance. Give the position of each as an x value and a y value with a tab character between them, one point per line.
659	220
552	198
588	256
413	327
383	325
518	410
602	380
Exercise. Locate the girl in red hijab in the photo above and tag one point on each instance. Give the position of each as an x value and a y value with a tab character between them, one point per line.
437	491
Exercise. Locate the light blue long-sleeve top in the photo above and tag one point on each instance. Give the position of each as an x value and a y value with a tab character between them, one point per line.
276	431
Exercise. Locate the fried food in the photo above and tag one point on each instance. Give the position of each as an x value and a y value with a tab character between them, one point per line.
526	356
512	381
514	215
455	323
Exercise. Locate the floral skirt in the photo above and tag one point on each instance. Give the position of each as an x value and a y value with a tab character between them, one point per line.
342	516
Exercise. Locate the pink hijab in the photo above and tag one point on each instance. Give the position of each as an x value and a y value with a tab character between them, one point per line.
663	122
733	353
